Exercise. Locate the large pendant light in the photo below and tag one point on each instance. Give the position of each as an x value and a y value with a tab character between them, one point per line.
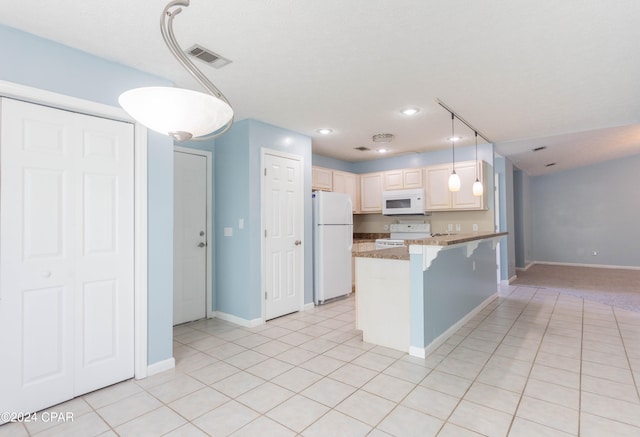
454	179
478	189
180	113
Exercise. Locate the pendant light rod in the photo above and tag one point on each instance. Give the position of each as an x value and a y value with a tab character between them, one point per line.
476	132
166	28
453	113
453	146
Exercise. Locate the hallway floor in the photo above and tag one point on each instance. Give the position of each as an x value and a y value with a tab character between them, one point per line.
533	362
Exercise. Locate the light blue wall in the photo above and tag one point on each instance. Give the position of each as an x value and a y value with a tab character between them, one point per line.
592	208
447	297
409	160
504	167
39	63
238	179
333	163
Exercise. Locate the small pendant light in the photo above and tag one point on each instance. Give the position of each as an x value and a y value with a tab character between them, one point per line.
478	189
454	179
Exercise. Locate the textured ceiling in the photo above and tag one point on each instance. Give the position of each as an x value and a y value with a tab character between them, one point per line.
561	74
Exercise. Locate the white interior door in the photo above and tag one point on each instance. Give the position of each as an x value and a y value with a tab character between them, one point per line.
283	206
189	237
66	254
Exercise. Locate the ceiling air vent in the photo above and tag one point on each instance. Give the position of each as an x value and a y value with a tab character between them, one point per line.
537	149
207	56
362	148
551	164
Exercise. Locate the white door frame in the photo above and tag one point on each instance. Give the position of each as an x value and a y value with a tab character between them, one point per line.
74	104
265	151
209	231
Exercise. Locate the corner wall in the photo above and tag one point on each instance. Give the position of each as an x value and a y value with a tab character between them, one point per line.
588	209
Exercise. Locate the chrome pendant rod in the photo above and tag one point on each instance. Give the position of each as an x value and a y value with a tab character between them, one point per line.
452	112
166	28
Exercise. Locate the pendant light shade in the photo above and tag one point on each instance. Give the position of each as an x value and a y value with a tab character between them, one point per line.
180	113
177	112
454	182
478	188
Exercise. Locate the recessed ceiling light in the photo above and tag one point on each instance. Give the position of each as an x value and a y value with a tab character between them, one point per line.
324	131
382	150
455	138
410	111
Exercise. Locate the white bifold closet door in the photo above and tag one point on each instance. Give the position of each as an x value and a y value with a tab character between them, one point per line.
66	254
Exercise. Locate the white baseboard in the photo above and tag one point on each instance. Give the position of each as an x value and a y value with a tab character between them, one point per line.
596	266
308	306
438	341
513	278
161	366
526	267
418	352
239	320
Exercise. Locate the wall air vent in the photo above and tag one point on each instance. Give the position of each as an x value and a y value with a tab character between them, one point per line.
207	56
362	148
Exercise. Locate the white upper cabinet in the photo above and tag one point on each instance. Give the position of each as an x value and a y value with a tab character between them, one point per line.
322	179
347	183
371	192
403	179
439	197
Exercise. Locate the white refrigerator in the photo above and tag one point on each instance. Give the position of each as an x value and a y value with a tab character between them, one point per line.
332	245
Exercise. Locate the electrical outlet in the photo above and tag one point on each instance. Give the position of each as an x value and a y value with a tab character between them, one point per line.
594	253
475	226
458	227
385	227
449	227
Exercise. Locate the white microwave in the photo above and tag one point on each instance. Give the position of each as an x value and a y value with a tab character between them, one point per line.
403	202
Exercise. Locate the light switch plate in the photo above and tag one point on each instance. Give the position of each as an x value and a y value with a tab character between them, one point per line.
228	232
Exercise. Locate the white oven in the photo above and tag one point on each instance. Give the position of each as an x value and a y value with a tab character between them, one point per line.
404	231
403	202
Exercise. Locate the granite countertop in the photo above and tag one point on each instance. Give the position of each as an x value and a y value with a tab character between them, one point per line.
368	237
402	253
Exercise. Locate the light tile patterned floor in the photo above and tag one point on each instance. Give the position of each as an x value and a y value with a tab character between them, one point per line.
532	363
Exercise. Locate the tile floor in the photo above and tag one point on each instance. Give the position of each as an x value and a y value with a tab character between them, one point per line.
532	363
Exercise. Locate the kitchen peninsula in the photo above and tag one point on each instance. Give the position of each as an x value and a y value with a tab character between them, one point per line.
414	297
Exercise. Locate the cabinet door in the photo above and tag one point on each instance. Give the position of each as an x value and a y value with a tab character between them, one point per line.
347	183
371	192
438	194
412	178
464	199
322	179
393	180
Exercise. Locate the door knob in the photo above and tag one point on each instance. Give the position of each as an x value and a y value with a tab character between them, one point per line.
298	242
202	233
201	244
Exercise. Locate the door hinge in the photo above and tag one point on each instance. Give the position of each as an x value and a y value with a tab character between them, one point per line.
265	171
265	295
265	233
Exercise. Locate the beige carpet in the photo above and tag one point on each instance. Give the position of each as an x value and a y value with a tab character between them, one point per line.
615	287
